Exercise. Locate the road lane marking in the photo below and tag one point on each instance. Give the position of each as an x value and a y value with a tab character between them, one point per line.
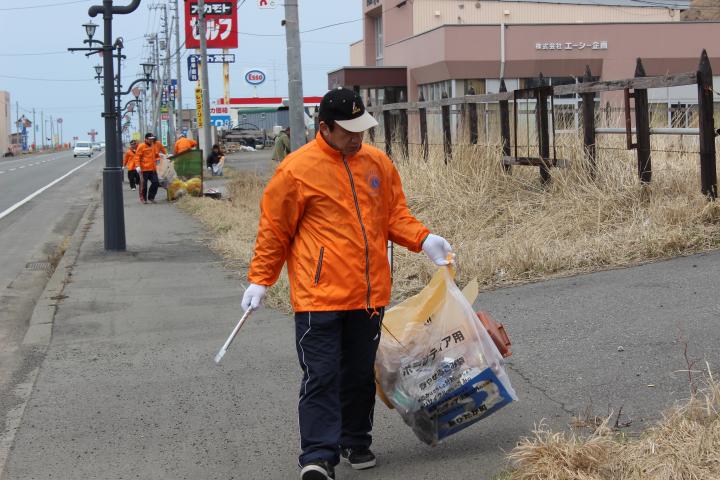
13	169
38	192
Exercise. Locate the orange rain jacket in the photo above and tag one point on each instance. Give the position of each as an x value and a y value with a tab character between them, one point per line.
183	144
145	155
129	160
330	217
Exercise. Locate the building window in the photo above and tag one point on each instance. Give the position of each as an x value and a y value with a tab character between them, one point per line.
378	40
434	91
477	85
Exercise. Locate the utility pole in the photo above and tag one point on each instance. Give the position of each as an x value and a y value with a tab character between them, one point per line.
168	79
52	133
207	141
158	89
295	90
17	121
155	89
34	125
178	72
42	128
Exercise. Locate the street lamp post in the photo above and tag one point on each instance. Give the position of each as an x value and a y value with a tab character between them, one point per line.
113	209
118	45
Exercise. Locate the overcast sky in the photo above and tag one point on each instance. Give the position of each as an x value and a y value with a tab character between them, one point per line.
39	73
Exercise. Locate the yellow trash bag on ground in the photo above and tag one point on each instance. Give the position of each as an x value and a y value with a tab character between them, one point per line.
436	363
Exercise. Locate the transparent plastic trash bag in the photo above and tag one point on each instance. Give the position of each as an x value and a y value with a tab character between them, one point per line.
436	363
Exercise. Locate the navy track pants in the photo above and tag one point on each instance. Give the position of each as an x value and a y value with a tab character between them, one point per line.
336	351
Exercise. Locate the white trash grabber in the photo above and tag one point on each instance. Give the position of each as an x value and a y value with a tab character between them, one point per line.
235	331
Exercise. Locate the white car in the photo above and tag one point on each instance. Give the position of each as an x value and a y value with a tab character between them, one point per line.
83	149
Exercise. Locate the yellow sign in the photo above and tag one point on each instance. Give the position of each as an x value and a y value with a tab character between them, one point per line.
136	136
198	106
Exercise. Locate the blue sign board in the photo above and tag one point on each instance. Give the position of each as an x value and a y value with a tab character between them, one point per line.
193	63
220	120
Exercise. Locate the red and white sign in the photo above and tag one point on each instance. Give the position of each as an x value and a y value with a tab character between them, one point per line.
219	110
222	24
266	3
255	77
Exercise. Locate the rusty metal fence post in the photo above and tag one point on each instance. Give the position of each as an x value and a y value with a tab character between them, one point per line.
588	109
642	128
505	125
387	124
473	118
422	113
541	116
447	136
708	172
404	140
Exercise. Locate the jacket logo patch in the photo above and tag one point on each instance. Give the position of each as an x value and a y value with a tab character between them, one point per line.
355	109
374	181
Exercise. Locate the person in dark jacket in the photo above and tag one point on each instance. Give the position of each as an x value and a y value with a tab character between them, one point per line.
216	161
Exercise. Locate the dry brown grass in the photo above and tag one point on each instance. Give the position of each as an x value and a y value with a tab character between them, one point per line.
510	228
685	444
233	224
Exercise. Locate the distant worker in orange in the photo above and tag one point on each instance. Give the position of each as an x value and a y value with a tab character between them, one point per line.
130	164
183	144
146	157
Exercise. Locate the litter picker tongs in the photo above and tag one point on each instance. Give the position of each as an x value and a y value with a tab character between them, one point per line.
232	336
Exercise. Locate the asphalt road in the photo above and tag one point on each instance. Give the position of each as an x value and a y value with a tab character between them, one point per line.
42	198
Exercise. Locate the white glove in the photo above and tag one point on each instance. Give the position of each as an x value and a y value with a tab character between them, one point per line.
137	169
437	249
253	296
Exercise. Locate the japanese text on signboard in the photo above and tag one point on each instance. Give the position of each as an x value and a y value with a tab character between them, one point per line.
602	45
221	19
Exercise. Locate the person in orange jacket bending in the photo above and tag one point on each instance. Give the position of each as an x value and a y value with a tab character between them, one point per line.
329	211
146	157
183	144
129	163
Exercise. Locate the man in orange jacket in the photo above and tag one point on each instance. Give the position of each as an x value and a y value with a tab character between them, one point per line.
129	163
146	157
329	211
183	144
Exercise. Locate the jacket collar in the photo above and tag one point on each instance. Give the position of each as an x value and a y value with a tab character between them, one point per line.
325	147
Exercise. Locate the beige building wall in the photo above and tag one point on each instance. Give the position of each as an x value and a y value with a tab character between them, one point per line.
357	54
429	14
5	123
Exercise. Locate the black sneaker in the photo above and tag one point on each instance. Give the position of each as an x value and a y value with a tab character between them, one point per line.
358	458
319	470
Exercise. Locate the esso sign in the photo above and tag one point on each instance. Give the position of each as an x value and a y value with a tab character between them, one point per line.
255	77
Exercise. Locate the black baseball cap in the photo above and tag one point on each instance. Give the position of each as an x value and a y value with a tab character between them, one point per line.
346	108
150	135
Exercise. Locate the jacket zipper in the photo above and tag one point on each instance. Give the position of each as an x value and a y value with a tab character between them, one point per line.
319	266
362	227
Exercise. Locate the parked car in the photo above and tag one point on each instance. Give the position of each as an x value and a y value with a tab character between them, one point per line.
246	134
96	147
83	149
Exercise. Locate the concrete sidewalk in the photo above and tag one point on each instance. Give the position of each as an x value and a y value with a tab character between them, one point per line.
128	387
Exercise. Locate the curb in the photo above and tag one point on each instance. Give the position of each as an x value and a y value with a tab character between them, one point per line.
39	332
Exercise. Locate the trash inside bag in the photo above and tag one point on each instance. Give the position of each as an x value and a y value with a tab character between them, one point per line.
437	364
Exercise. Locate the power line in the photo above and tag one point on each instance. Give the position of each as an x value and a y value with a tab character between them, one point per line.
45	5
47	79
33	54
